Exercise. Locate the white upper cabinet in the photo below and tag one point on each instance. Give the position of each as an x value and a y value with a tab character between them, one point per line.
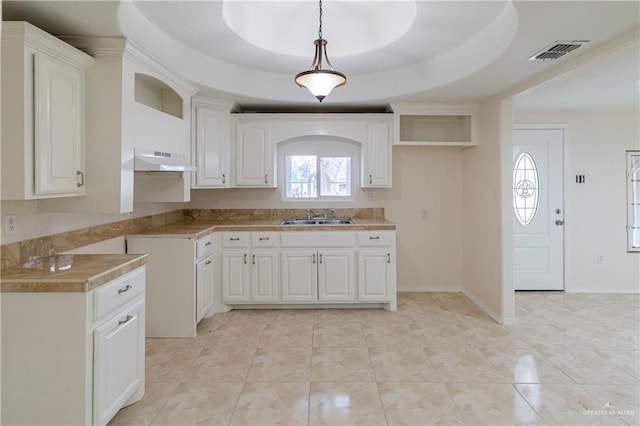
254	155
376	155
134	102
211	136
43	115
435	125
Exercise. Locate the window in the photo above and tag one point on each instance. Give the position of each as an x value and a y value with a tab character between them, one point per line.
525	188
633	201
317	176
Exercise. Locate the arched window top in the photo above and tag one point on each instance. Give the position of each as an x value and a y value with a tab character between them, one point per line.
526	188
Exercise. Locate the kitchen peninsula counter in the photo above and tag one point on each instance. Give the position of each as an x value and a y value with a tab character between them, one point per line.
68	273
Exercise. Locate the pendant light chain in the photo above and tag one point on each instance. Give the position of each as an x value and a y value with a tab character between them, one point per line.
320	19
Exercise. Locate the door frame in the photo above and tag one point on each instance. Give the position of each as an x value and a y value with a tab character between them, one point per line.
566	230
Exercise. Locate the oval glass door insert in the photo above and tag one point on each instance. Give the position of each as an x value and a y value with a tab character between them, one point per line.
526	191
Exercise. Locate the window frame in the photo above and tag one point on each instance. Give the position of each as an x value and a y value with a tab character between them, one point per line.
318	156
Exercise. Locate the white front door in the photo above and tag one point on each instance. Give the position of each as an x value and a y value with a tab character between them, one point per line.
538	211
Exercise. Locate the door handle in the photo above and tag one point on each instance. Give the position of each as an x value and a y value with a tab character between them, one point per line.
559	222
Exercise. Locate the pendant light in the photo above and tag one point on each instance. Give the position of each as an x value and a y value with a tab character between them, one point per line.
319	81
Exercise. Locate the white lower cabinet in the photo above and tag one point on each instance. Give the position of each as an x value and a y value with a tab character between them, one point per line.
73	358
181	272
250	267
117	371
326	275
375	275
309	267
204	287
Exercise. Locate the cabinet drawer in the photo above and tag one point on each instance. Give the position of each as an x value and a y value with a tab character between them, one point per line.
118	293
317	239
204	246
375	238
265	239
235	239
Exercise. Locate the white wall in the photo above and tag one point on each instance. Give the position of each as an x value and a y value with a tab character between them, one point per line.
488	275
595	219
429	251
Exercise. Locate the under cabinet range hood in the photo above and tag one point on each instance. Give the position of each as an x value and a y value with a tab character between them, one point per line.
148	160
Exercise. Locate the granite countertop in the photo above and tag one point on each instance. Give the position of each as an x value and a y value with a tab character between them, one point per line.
199	228
68	273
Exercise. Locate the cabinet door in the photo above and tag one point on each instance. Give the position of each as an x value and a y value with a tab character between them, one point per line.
254	156
59	117
336	276
204	287
212	148
376	156
375	274
299	276
118	362
265	276
235	276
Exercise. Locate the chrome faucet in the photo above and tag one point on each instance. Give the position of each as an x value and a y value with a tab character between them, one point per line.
333	213
311	214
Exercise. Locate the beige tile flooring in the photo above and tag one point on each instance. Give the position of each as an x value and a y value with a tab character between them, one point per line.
572	360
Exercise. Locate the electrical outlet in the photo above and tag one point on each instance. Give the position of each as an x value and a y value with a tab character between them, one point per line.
600	259
425	214
10	225
371	195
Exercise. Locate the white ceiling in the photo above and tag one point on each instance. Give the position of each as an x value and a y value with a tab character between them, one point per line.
391	51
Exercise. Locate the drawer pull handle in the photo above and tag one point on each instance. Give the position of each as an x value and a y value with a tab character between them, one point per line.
126	288
208	262
266	178
126	320
81	175
388	257
320	258
374	238
253	259
313	258
224	178
207	244
263	238
245	258
234	239
370	179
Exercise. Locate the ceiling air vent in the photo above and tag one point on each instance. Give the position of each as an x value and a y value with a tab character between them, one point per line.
557	49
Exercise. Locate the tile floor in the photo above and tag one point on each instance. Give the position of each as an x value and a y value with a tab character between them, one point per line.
572	360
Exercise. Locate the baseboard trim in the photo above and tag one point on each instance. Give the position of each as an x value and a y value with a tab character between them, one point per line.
508	321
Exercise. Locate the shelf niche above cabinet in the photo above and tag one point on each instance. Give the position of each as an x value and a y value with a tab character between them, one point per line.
435	128
158	95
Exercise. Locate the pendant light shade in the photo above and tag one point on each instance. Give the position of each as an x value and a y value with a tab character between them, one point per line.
319	81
